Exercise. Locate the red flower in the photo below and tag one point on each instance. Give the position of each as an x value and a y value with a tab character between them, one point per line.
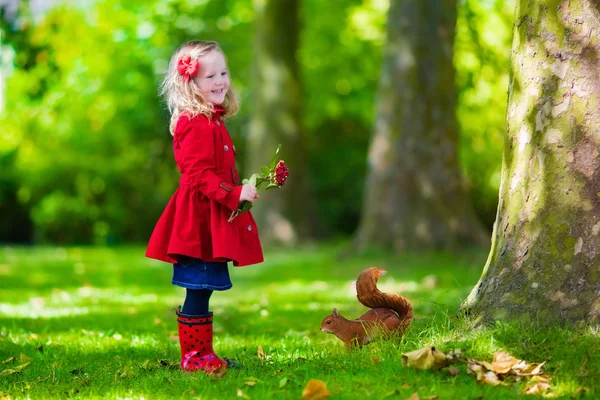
281	173
187	66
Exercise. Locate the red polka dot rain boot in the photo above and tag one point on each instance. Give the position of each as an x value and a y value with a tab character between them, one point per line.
196	341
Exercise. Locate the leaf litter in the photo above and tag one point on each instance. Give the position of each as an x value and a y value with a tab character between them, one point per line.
501	368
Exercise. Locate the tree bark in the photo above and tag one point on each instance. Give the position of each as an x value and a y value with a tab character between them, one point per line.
276	115
416	196
544	263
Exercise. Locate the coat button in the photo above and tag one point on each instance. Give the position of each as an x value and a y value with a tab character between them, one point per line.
249	228
226	148
218	123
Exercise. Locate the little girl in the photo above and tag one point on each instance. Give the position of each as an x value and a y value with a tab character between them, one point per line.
193	232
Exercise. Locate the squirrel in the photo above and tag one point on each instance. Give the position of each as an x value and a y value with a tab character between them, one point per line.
390	313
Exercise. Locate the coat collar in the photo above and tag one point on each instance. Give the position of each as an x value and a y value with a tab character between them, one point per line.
219	111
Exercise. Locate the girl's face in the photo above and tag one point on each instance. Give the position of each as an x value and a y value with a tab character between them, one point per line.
212	77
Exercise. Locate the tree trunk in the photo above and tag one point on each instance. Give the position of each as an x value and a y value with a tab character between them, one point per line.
544	263
276	115
416	197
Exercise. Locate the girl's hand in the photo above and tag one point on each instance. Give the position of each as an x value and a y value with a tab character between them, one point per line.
248	193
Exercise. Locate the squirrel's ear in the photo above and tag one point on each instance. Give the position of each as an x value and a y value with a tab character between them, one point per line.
335	313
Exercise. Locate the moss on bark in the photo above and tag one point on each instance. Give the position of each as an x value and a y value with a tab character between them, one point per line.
544	247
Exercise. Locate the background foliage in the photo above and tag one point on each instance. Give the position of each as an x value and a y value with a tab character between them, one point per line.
85	151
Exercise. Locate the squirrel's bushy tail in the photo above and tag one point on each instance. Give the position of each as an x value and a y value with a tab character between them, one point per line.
370	296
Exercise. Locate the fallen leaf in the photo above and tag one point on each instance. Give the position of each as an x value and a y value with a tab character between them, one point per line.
414	396
250	383
536	388
261	353
10	371
453	371
489	378
9	360
315	389
242	394
524	369
455	355
5	396
503	362
427	358
146	364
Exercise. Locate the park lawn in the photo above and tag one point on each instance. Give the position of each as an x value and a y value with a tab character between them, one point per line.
97	323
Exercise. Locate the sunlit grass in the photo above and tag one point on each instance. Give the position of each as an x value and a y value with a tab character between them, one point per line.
98	323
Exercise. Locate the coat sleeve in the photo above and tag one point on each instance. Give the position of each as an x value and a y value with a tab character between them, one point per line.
198	152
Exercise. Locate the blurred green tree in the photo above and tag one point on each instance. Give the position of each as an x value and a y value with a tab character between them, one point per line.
415	196
277	119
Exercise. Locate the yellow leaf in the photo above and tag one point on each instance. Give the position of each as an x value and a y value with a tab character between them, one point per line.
146	364
414	396
261	353
427	358
9	360
250	383
315	389
503	362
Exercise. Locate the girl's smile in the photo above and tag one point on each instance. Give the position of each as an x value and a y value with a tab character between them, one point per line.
213	77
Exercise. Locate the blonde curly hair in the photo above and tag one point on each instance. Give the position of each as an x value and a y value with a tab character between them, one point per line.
185	97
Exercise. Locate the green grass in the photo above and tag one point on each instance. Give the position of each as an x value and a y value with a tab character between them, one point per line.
96	323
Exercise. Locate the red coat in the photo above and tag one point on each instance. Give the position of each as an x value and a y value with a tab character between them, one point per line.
194	222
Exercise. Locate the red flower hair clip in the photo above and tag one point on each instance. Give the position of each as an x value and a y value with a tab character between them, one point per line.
187	66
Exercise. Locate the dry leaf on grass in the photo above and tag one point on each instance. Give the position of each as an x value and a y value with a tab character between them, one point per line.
539	387
315	389
524	369
9	360
14	370
427	358
489	378
482	372
414	396
261	353
503	362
